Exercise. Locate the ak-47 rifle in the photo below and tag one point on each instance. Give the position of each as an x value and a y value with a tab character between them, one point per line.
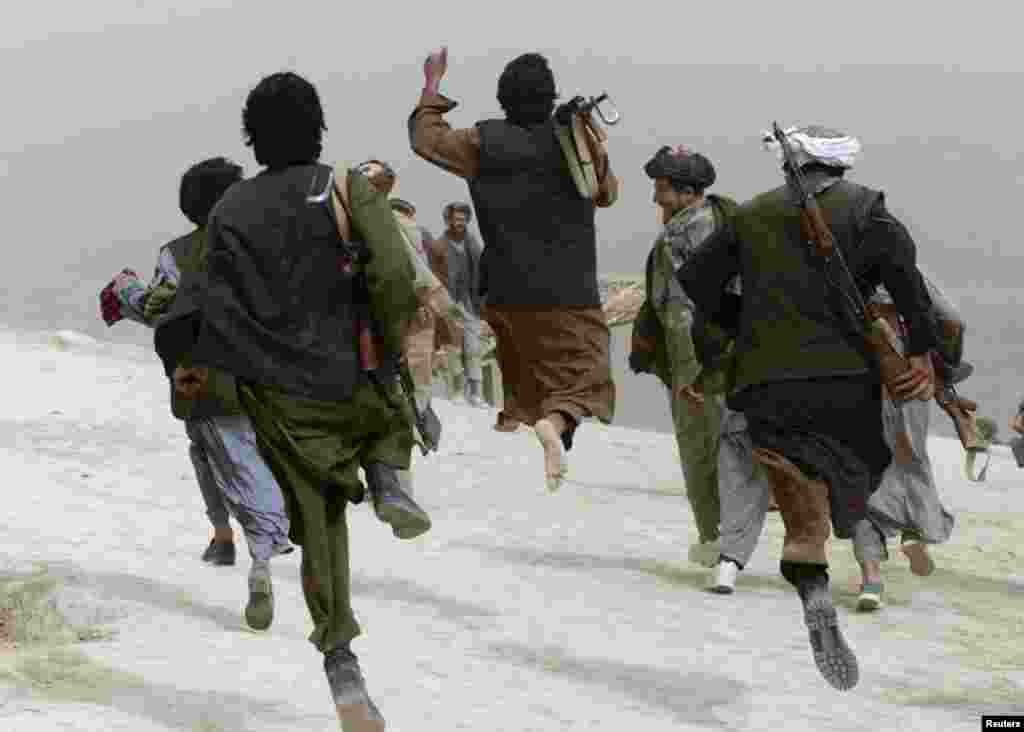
581	138
582	105
879	336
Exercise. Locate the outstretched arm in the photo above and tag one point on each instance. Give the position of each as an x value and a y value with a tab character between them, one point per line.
434	140
430	135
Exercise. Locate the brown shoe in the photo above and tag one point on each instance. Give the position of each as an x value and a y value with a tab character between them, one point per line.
356	711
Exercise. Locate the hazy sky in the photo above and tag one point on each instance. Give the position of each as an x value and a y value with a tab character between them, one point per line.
107	103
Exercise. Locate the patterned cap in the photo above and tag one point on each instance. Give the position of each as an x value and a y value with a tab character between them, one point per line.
681	165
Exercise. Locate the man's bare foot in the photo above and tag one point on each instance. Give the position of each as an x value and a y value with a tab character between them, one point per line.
554	461
921	562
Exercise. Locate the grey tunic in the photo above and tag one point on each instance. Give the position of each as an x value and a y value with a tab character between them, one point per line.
907	502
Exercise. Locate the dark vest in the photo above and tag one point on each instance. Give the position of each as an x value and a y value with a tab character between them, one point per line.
281	306
221	398
790	326
540	245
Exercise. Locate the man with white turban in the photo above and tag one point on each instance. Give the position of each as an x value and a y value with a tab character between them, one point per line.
803	378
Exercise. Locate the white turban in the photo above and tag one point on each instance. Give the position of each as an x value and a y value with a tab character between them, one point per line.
816	144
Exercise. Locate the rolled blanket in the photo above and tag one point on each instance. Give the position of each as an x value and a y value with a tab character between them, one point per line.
116	297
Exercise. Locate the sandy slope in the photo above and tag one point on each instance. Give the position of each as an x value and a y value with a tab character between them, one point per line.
519	611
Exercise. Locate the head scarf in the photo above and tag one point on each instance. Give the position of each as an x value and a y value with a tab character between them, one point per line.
682	166
817	144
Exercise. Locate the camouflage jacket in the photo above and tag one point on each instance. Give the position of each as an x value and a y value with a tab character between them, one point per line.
684	232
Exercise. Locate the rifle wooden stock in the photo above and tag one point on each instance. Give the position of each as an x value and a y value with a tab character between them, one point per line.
963	413
815	229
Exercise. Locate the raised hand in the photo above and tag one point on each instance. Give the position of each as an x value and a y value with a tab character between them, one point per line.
434	69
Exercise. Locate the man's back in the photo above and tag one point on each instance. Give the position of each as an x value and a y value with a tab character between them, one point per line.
280	310
538	231
791	325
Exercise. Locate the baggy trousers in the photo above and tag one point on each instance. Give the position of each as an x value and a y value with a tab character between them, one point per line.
743	489
466	361
235	480
698	435
315	449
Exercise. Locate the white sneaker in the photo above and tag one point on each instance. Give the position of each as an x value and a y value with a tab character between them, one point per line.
705	553
725	578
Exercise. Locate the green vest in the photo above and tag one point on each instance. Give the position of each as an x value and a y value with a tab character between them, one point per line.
789	326
221	397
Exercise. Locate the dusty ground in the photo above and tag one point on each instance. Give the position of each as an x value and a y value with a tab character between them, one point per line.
519	611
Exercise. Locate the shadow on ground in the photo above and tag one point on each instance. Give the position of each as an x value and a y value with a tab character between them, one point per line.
400	590
694	577
690	697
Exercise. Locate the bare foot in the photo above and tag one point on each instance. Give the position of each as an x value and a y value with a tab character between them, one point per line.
921	563
554	462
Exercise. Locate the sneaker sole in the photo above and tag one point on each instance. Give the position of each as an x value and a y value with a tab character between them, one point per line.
833	657
259	613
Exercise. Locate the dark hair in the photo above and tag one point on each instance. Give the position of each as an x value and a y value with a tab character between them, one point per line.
457	207
526	90
283	121
384	180
202	186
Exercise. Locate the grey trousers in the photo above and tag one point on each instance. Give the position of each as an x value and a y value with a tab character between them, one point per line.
743	490
235	481
467	360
